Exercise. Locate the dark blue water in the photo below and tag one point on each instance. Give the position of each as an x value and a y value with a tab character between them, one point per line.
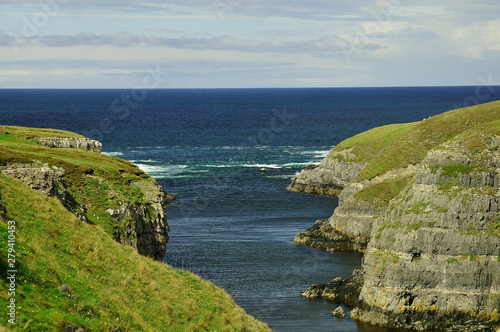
229	155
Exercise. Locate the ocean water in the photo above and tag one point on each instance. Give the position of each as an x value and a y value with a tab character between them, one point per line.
229	155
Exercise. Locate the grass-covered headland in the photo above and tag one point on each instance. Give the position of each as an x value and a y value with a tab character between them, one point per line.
72	273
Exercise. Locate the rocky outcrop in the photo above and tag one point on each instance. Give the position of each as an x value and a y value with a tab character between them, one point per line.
322	236
40	177
336	170
146	227
71	143
340	290
338	313
434	258
141	224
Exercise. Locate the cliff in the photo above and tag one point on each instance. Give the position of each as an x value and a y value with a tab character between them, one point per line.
428	208
99	189
68	209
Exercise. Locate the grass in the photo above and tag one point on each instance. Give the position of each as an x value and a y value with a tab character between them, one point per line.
30	133
373	142
380	194
111	285
399	145
89	176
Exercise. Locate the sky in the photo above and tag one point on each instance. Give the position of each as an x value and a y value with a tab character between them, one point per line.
248	43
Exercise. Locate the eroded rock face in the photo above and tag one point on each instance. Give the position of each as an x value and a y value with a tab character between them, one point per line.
340	290
42	178
71	143
330	177
146	224
434	258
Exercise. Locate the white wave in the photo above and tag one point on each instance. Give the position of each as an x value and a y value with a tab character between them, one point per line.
317	154
113	153
296	164
274	166
164	170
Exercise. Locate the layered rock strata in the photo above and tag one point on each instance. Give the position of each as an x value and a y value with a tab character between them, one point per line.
339	290
330	177
71	143
434	260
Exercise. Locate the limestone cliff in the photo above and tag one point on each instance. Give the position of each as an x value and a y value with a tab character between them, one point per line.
434	259
71	143
330	177
111	192
427	210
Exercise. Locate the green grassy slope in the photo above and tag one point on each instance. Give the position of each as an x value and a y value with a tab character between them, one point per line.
397	146
110	284
90	177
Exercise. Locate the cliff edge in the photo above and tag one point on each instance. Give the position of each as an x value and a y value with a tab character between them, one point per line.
99	189
427	210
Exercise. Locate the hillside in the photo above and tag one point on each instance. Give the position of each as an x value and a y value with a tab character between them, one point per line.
72	272
423	203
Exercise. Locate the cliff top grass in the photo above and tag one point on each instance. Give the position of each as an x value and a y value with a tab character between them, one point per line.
370	143
110	285
89	176
399	145
413	143
28	133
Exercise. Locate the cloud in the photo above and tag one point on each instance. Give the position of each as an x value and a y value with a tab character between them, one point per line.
324	44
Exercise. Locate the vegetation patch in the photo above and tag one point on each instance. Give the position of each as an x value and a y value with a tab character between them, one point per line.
373	142
380	194
108	286
409	145
95	180
452	170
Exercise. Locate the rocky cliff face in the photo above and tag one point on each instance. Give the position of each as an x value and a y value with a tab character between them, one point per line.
434	260
141	224
71	143
330	177
146	227
430	230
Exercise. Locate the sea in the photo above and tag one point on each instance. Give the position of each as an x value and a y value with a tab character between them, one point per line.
228	155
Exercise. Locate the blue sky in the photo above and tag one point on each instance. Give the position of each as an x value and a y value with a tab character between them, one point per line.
248	43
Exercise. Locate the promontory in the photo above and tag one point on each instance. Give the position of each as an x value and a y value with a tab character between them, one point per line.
422	202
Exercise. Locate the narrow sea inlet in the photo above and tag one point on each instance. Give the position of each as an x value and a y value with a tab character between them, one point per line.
228	155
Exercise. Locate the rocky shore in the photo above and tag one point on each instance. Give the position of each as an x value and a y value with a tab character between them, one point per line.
427	216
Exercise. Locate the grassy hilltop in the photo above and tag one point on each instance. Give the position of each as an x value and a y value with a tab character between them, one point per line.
107	286
399	145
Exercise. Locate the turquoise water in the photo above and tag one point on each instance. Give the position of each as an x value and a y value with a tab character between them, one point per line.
229	155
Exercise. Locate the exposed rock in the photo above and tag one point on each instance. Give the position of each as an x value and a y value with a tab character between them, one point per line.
323	236
146	226
345	291
339	312
42	178
433	260
71	143
330	177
